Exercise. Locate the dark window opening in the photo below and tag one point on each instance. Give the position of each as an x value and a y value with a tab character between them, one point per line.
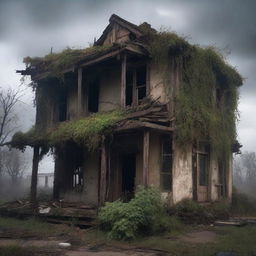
129	88
128	175
141	82
63	106
78	181
203	169
93	97
166	169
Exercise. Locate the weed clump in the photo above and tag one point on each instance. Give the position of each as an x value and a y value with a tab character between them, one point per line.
143	215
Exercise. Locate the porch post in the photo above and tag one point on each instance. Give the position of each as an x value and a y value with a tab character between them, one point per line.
123	81
33	191
146	137
79	91
103	174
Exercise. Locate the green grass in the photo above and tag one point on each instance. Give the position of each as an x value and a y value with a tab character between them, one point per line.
14	250
31	226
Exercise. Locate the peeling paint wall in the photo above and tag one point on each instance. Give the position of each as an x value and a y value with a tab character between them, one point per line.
182	173
154	160
91	177
110	89
72	102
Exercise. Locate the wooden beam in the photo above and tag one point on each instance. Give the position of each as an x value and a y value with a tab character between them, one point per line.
123	81
146	138
103	174
138	124
33	189
79	91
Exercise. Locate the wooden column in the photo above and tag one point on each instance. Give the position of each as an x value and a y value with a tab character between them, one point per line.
146	138
123	81
79	91
57	176
103	174
33	191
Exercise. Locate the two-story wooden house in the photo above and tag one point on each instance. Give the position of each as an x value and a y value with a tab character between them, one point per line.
157	107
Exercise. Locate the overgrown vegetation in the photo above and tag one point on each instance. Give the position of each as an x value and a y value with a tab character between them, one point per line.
55	63
191	212
86	131
242	204
206	104
143	215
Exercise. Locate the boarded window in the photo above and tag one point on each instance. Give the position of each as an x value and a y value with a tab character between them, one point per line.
166	168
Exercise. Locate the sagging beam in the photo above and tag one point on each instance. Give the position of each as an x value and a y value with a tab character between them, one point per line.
79	92
123	80
33	191
146	138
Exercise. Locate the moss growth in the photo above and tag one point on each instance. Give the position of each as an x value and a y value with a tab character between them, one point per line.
87	131
55	63
206	105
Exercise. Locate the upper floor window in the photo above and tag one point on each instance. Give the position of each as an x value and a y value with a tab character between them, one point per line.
136	85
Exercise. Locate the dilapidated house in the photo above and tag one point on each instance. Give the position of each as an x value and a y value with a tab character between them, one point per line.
139	107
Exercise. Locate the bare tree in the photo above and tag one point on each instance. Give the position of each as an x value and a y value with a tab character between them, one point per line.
13	165
8	100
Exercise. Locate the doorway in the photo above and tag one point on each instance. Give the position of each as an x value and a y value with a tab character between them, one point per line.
128	175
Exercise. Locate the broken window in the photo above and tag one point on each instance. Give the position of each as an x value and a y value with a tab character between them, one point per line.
136	85
141	83
166	168
129	88
93	96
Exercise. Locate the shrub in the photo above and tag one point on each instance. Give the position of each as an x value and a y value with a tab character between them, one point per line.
143	215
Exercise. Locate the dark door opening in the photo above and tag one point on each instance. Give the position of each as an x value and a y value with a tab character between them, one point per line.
128	175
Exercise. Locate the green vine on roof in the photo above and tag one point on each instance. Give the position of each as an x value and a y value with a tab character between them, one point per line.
86	131
55	63
206	105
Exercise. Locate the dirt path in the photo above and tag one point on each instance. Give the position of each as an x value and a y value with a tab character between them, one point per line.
199	237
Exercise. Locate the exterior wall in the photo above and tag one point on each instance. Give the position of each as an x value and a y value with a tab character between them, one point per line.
156	86
118	35
110	89
41	180
154	160
182	173
91	178
72	102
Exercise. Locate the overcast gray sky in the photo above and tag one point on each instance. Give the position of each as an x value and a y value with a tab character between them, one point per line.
32	27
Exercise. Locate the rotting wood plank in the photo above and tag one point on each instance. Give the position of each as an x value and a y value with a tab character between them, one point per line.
146	138
79	92
123	81
137	125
